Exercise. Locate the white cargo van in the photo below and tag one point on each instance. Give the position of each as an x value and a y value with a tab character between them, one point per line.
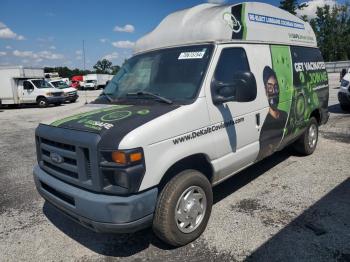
96	81
70	93
210	91
25	85
344	92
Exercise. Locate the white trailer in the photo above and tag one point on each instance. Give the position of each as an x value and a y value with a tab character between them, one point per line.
96	81
20	85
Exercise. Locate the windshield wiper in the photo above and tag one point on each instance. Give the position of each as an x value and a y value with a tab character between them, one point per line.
145	93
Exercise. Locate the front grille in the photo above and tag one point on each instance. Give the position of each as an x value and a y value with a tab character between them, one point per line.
72	93
58	144
65	161
57	94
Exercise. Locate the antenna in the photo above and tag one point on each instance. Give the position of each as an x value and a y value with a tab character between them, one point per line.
84	70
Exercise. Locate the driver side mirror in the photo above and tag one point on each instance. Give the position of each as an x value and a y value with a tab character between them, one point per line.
241	89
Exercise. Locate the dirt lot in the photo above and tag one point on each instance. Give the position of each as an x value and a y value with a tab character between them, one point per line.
286	208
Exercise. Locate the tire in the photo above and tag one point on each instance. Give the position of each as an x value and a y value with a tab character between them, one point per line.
307	143
165	225
42	102
73	101
345	107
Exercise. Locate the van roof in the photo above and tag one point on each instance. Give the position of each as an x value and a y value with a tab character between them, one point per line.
247	22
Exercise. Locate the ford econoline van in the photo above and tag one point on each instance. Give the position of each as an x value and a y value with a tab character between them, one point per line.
210	91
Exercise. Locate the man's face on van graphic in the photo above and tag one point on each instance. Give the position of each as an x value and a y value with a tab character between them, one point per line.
272	92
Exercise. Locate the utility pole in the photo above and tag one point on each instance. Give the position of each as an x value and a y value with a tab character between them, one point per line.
84	69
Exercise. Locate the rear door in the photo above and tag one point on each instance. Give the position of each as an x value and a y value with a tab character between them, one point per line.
237	143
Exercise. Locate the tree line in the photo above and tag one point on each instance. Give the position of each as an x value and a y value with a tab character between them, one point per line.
331	26
103	66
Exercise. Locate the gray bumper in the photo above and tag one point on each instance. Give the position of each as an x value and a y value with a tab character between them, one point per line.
53	99
99	212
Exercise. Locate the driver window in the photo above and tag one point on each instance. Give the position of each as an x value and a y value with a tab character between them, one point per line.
27	85
231	60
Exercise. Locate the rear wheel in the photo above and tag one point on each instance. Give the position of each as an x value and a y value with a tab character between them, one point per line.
183	208
42	102
307	143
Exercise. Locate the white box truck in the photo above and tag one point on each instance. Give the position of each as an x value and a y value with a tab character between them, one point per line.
210	91
96	81
26	85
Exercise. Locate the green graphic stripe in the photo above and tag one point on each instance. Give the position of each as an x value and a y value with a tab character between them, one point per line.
244	37
78	116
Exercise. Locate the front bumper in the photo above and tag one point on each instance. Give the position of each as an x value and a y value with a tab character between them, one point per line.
98	212
55	99
72	98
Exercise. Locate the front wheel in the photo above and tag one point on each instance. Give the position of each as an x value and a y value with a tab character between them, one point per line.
307	143
183	208
42	102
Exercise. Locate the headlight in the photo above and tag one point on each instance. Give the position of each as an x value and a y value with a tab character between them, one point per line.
49	94
344	83
65	94
128	157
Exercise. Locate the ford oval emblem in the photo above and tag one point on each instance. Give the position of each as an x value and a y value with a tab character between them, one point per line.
56	158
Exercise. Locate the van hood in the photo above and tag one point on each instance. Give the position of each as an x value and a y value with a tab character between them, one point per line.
112	122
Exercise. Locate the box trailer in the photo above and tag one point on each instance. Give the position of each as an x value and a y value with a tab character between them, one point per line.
96	81
24	85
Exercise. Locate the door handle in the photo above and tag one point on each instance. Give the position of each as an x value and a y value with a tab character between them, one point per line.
257	118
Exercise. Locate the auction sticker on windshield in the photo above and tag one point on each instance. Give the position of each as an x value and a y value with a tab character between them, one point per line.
192	55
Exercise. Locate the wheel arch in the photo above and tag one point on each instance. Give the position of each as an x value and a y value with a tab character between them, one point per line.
40	96
316	113
199	162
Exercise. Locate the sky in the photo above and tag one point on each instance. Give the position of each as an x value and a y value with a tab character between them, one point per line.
51	33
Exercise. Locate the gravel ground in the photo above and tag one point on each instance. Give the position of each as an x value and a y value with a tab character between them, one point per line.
285	208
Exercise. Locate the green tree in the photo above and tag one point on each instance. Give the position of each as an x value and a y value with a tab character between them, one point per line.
103	66
115	69
332	28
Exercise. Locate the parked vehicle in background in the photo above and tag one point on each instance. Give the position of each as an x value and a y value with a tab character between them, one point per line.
77	82
25	85
344	92
96	81
210	91
52	75
70	93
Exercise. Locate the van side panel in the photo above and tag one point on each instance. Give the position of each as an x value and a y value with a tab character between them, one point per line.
278	86
301	88
310	89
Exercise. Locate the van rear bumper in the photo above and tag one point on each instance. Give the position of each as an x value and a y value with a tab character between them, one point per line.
98	212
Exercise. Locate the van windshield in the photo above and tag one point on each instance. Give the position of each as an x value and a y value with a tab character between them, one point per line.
174	73
41	83
60	84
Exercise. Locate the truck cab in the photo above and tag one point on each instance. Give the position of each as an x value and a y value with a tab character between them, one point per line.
210	91
39	91
70	93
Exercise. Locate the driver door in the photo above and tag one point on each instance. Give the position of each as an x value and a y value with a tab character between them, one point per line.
237	144
26	91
